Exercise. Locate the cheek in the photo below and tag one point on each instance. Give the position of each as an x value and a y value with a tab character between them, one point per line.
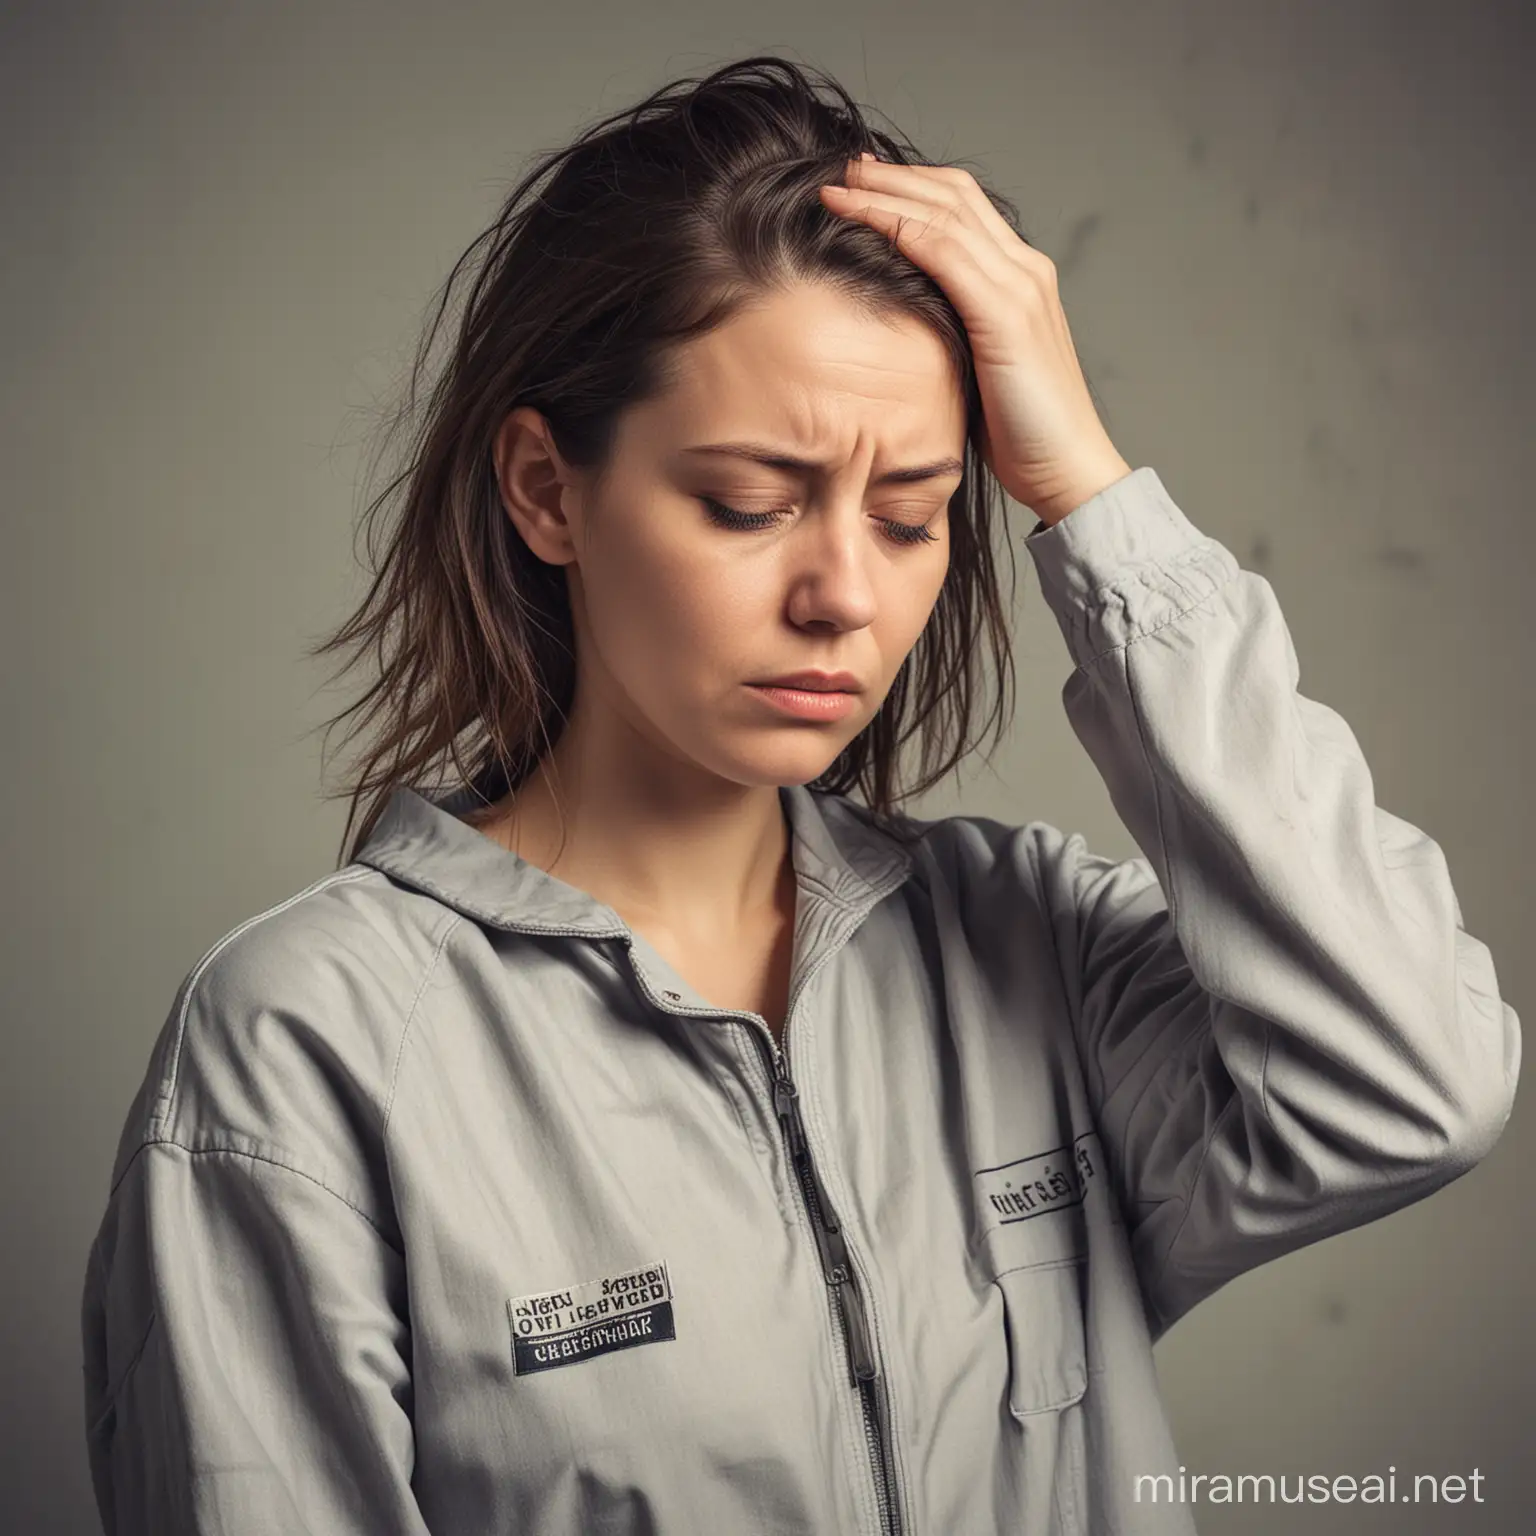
919	600
905	600
718	619
659	610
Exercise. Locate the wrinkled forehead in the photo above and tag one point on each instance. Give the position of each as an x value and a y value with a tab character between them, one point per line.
814	370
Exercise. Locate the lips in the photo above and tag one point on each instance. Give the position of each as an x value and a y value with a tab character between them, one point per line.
813	682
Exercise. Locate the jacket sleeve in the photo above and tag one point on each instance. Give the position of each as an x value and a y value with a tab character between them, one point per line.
245	1355
1286	1030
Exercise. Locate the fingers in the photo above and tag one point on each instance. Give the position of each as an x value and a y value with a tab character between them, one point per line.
926	231
951	187
962	261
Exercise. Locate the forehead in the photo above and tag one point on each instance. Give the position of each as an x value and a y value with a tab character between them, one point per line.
809	366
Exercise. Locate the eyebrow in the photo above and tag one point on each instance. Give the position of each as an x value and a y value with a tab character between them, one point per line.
760	454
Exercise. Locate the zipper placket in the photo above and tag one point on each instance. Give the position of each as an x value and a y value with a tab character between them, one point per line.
837	1267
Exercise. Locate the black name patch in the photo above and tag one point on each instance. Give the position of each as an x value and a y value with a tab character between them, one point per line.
1056	1180
554	1328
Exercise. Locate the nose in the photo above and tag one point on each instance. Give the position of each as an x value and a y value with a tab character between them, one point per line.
830	579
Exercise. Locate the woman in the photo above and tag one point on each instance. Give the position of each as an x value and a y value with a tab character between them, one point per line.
644	1134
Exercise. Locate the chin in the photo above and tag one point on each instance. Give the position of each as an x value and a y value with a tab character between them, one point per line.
781	763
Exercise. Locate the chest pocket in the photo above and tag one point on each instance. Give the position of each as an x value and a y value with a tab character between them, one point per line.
1047	1350
1036	1241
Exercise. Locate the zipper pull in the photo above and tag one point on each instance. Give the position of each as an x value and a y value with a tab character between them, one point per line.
786	1106
861	1355
829	1233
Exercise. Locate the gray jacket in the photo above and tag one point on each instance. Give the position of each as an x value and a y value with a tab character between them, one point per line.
447	1206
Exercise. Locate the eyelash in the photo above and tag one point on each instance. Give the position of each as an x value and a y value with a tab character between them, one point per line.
729	517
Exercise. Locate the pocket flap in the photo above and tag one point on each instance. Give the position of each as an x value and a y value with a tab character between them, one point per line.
1047	1350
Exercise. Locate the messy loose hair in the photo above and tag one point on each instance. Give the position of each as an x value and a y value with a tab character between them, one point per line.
655	225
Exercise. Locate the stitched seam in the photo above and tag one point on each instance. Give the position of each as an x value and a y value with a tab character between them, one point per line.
831	894
1148	573
1039	1264
831	1175
124	1376
852	1417
394	1072
258	1157
1119	590
1139	717
1170	896
742	1033
167	1094
496	917
1090	1059
1194	1183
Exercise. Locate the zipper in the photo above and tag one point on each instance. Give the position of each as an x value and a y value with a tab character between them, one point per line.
837	1267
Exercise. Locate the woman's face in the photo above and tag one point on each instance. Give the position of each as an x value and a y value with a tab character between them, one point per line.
678	615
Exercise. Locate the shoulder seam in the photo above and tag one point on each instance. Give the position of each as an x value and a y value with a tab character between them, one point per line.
455	919
257	1157
167	1094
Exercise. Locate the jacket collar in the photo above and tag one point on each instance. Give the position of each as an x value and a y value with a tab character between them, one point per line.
840	857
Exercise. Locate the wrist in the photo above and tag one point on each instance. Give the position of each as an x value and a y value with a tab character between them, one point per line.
1051	509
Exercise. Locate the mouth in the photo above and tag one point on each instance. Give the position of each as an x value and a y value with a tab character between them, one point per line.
812	682
803	702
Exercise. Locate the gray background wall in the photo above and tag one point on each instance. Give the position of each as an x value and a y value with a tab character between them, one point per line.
1295	245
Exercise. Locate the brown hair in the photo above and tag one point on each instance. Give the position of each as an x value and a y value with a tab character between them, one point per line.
650	228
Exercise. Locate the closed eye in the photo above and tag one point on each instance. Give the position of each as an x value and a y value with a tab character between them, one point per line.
729	517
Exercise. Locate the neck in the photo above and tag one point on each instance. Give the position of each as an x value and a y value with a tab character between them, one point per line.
664	843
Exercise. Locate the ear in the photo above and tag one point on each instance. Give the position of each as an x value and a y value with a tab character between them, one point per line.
534	481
